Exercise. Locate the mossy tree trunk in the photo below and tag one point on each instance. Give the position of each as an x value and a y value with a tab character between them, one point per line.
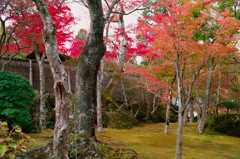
87	69
61	90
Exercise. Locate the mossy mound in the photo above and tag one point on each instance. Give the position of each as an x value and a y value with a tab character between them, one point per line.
121	120
79	146
226	124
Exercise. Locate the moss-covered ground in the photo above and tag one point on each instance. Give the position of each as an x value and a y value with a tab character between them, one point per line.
150	143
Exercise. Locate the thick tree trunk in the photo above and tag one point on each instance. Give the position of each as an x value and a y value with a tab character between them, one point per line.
203	122
168	113
181	106
178	154
61	90
87	69
43	109
99	97
185	117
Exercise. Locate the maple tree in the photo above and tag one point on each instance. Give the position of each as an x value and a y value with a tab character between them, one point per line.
9	44
173	35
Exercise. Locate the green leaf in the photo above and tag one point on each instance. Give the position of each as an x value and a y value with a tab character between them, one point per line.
13	145
3	150
4	124
11	155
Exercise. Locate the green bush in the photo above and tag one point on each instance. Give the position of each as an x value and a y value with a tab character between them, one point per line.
226	124
16	95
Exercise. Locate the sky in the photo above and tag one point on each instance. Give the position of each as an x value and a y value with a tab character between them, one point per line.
82	15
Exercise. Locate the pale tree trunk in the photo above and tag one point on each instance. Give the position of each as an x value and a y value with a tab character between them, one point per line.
178	154
43	109
99	96
229	88
197	102
218	92
87	69
191	110
61	90
168	112
122	55
203	122
185	117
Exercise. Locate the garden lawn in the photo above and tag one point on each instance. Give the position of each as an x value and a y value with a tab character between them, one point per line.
150	143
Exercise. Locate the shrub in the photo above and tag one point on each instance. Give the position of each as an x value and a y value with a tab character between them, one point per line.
226	124
16	95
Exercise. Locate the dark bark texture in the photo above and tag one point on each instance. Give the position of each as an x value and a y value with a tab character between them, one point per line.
87	69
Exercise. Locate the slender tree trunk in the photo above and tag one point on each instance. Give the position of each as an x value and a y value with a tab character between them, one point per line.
168	113
218	92
61	90
30	73
203	122
87	69
197	103
229	88
191	111
99	96
43	109
238	90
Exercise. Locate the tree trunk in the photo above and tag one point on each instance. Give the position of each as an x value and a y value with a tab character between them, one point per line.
61	90
218	92
87	69
238	90
229	88
185	117
43	109
178	154
99	96
203	122
168	113
191	111
197	103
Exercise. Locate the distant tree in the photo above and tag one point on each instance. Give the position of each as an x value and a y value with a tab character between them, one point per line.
229	105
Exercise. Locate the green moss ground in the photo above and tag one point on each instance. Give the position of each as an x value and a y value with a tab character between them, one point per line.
150	142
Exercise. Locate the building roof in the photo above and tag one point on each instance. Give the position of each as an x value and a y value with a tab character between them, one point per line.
32	56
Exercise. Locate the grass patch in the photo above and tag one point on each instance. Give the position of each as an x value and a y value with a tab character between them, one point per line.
150	142
40	139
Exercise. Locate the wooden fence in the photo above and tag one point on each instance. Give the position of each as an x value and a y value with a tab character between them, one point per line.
29	69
